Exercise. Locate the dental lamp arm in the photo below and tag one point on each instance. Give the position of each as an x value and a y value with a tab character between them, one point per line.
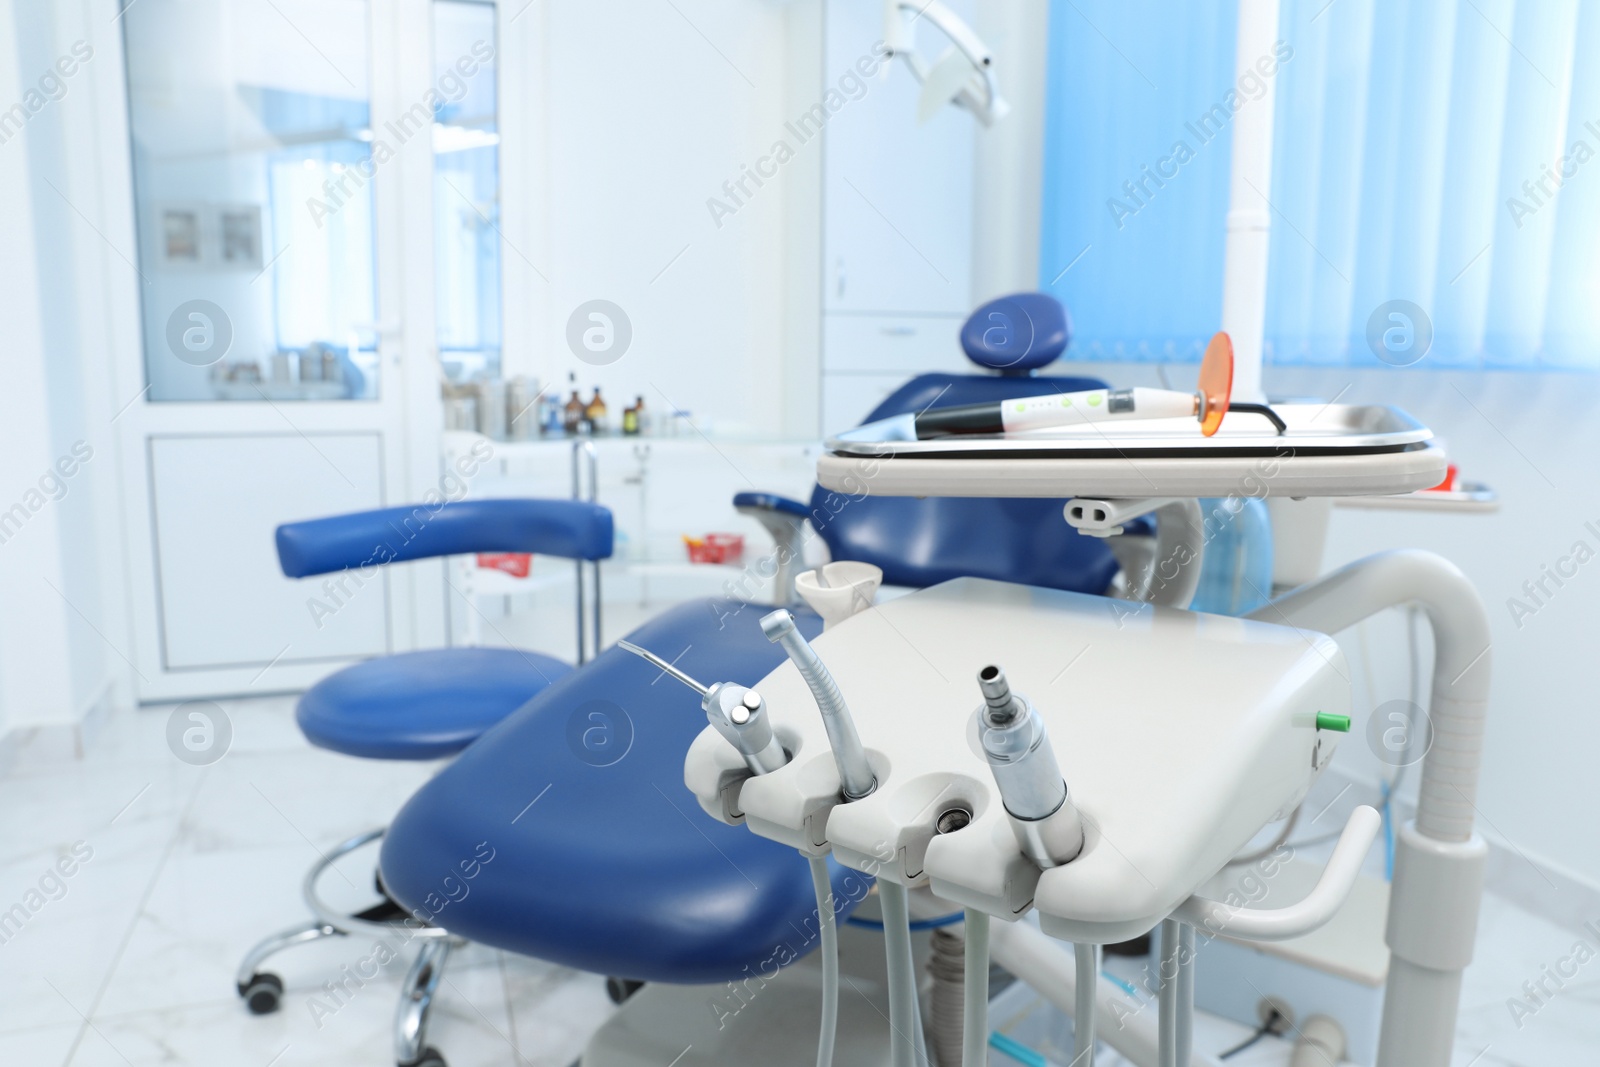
1167	572
1280	924
899	34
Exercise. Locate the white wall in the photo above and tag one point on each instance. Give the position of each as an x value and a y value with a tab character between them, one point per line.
63	627
646	110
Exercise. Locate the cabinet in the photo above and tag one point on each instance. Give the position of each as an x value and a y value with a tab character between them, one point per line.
897	222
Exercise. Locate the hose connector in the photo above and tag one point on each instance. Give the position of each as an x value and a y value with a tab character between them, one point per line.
855	773
1002	706
1046	823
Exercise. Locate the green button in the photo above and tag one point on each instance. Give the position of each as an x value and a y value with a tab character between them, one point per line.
1326	720
1094	400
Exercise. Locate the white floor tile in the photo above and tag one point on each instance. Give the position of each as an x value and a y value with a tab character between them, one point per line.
48	1044
554	1010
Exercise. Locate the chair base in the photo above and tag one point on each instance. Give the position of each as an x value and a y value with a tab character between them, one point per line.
771	1022
262	991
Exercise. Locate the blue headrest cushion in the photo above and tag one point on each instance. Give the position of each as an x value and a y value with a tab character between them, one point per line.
1017	334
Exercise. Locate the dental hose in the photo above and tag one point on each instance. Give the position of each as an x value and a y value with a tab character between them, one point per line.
975	1002
828	924
1086	958
904	1024
958	1012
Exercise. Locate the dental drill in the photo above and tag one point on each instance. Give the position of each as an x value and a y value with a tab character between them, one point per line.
855	773
857	780
1043	818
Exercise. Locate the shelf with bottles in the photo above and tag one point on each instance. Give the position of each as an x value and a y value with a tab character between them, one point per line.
519	410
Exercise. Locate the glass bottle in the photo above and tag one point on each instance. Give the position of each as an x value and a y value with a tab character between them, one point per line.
572	415
595	413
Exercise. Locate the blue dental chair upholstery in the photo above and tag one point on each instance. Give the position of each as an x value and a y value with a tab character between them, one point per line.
603	861
422	705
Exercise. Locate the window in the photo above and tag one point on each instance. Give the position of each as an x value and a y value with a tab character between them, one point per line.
1441	152
253	199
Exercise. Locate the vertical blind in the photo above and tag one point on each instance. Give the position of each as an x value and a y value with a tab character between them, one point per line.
1442	153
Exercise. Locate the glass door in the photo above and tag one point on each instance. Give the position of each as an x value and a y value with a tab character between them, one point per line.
288	206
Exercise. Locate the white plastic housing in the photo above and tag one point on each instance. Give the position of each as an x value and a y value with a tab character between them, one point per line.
1179	735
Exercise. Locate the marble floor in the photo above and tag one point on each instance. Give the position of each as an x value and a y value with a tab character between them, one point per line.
176	869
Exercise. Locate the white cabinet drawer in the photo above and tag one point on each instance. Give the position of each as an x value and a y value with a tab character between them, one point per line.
892	344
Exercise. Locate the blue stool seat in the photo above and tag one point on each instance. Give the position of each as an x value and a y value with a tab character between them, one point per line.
422	705
601	859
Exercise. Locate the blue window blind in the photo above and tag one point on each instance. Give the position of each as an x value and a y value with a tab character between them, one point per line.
1440	152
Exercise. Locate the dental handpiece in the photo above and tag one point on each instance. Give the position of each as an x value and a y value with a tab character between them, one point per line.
1043	817
855	773
736	712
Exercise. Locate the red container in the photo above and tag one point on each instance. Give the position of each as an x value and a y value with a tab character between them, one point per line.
715	548
516	564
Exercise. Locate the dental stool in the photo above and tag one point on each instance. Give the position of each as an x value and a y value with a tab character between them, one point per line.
921	542
422	705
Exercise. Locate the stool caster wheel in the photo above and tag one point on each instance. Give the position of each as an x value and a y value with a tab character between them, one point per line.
431	1057
263	993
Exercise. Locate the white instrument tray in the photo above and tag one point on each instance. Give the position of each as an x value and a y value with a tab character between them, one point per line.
1329	450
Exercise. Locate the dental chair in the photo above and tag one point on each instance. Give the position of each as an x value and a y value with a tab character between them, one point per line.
918	543
603	862
424	705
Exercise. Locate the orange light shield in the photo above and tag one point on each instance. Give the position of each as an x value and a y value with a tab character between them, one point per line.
1216	382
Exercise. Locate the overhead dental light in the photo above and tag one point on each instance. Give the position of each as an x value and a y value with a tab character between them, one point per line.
963	75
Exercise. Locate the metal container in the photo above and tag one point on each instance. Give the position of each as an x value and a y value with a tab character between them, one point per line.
522	408
491	394
460	413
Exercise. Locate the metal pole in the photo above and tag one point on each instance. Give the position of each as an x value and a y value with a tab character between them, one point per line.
594	497
1184	1030
1167	996
577	494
